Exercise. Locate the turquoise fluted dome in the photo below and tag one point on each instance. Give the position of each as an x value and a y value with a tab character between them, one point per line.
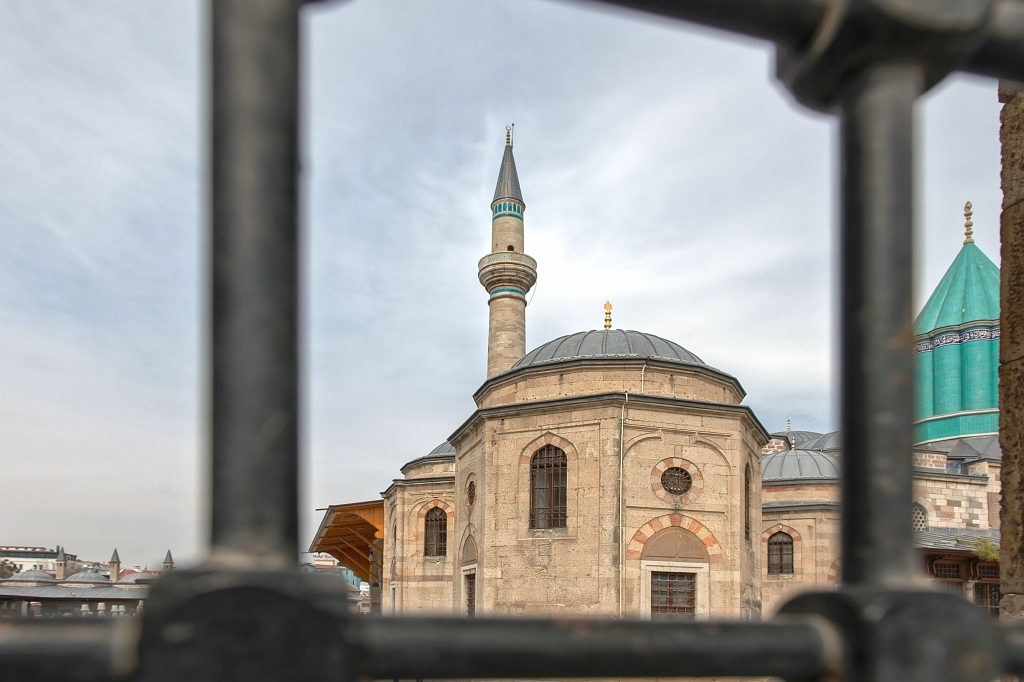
957	351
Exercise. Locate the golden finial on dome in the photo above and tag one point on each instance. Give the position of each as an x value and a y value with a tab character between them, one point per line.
968	232
607	314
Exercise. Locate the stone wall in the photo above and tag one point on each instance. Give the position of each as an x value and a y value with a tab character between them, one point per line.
1011	350
575	570
640	379
956	501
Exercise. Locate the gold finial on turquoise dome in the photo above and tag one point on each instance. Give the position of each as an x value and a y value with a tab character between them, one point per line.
607	314
968	232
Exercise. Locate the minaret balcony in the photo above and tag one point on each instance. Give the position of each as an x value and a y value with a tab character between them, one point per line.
507	273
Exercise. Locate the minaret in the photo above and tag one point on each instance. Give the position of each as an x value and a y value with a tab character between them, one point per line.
62	564
168	562
115	566
507	272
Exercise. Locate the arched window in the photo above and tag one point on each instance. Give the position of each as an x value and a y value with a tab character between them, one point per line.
547	488
746	502
919	517
780	554
436	533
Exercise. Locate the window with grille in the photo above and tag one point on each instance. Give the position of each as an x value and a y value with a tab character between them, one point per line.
436	533
780	554
949	571
547	488
471	493
676	480
471	594
673	595
988	572
920	517
746	502
986	595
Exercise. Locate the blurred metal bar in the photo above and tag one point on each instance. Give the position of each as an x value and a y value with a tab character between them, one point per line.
789	22
1013	648
876	339
254	259
1001	53
414	648
80	650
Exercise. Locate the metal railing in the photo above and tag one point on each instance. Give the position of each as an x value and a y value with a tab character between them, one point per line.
247	615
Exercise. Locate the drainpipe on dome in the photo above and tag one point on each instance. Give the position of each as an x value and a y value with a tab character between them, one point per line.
622	521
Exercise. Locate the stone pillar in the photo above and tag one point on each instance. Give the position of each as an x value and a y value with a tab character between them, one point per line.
1011	352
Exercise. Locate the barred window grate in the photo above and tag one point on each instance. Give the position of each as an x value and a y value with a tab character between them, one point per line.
436	533
780	554
471	594
548	507
673	595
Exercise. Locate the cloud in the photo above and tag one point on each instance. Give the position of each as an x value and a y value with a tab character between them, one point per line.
663	169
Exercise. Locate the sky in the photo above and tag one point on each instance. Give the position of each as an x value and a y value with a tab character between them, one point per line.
663	168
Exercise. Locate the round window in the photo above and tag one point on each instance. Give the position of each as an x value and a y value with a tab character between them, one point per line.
676	480
471	492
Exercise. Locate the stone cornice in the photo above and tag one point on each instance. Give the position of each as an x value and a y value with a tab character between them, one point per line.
609	398
402	482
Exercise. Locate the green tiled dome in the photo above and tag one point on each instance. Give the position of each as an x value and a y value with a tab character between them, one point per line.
957	351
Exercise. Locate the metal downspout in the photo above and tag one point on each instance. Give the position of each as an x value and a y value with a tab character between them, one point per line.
622	523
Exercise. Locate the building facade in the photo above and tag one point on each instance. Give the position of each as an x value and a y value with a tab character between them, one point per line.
614	473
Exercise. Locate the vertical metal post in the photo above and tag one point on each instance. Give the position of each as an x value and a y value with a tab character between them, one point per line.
877	371
254	365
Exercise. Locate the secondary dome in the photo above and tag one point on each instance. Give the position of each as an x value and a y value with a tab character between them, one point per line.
790	465
87	577
608	344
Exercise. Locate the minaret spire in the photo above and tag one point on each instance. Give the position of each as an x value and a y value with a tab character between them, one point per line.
968	224
507	273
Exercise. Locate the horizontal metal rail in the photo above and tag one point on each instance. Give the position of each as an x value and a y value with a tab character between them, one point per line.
391	648
428	648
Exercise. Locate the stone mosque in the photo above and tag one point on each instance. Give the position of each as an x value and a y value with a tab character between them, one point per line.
614	473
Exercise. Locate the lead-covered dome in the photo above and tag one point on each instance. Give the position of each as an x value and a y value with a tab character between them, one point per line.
791	465
608	344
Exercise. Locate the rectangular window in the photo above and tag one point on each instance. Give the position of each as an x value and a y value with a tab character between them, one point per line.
471	594
986	595
780	556
673	595
988	572
949	571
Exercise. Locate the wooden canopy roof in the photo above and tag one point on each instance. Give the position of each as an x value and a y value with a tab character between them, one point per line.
353	534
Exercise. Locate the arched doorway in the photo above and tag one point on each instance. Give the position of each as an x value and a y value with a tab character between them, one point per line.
676	576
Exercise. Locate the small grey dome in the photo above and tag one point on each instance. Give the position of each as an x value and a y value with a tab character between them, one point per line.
442	450
608	344
798	438
791	465
32	577
87	577
827	442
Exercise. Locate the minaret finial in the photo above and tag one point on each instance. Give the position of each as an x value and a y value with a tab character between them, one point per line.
607	314
508	134
968	232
